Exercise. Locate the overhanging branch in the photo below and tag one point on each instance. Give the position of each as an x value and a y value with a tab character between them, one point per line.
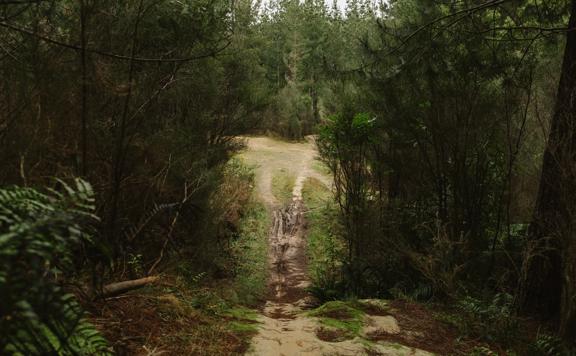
113	55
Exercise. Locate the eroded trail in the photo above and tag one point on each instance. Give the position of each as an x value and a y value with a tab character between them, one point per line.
285	327
285	331
287	255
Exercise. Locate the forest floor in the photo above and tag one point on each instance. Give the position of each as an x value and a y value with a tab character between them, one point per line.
289	324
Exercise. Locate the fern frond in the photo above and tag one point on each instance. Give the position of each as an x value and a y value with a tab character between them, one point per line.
38	235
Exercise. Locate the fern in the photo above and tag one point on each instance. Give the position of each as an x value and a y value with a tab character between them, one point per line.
423	291
38	236
134	231
493	320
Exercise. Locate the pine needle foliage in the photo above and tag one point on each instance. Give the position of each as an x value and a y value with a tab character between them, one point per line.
39	235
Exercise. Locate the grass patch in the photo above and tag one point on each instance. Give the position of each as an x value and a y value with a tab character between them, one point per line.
325	248
250	252
315	194
241	313
282	185
242	327
321	168
340	315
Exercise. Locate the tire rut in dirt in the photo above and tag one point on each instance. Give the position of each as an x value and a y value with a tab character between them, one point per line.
289	279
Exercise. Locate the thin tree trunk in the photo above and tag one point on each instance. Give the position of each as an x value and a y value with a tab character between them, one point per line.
120	153
84	93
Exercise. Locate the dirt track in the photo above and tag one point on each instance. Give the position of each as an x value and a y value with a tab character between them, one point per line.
285	329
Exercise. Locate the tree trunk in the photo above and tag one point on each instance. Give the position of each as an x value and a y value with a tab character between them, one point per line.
550	283
315	102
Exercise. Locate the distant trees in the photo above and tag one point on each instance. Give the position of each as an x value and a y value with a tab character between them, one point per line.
296	37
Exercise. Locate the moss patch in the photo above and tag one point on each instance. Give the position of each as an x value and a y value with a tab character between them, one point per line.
341	316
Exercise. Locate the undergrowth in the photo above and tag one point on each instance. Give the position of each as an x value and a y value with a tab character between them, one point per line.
193	311
250	252
495	323
324	246
175	318
242	254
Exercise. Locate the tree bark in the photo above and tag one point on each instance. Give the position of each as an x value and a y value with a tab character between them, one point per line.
550	276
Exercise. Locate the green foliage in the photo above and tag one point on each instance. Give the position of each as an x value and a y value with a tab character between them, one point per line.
249	250
296	40
350	131
39	236
420	292
432	118
242	255
241	320
436	186
549	345
344	143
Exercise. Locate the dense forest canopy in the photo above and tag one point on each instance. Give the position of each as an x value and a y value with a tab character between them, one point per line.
448	129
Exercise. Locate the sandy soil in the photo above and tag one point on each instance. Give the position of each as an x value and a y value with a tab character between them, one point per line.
285	329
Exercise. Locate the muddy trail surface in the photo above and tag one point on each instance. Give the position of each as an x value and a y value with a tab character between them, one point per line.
285	327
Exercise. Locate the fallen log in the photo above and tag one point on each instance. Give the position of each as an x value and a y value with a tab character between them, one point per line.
114	289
